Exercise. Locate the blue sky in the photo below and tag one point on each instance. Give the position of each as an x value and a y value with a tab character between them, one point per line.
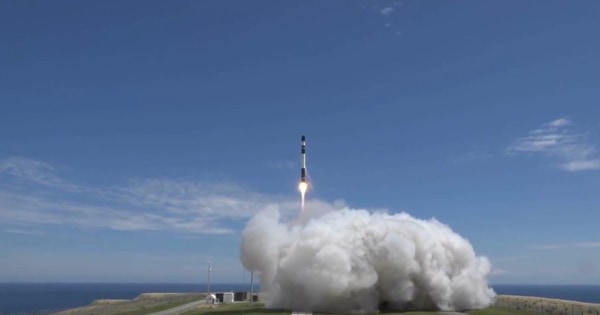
138	137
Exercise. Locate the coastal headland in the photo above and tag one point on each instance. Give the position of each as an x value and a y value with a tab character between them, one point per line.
539	305
148	303
145	303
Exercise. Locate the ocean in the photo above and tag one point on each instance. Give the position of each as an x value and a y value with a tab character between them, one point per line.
45	298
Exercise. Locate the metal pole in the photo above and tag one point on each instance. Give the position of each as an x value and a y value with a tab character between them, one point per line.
251	286
208	282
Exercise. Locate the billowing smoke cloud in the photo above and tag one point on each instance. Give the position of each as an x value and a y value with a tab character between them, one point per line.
347	259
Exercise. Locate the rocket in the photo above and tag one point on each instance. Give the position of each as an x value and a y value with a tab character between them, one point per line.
303	186
303	161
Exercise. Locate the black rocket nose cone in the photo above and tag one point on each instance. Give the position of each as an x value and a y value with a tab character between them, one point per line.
303	138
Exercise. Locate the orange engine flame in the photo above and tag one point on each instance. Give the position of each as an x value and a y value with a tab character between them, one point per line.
303	186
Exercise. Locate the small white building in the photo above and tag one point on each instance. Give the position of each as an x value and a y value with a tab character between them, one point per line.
227	297
211	299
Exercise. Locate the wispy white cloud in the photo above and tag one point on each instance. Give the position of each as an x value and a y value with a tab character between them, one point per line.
386	11
559	122
282	164
549	246
23	232
137	265
568	245
588	244
557	140
499	272
509	258
31	170
43	197
574	166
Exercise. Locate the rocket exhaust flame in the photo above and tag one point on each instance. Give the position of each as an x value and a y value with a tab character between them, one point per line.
302	187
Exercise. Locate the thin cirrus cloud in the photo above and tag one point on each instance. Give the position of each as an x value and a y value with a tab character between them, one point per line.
33	193
283	164
557	140
499	272
22	231
33	171
571	245
386	11
389	9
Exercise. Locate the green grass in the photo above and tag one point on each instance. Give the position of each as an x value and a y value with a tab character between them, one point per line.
237	309
258	309
158	308
496	311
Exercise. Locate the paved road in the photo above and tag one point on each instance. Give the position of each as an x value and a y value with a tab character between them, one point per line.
179	309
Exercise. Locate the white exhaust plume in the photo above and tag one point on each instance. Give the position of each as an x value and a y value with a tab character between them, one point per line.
352	260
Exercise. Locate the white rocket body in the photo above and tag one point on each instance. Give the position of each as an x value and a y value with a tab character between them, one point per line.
303	160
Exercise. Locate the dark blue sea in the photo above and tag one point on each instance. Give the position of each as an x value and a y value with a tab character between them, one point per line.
45	298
